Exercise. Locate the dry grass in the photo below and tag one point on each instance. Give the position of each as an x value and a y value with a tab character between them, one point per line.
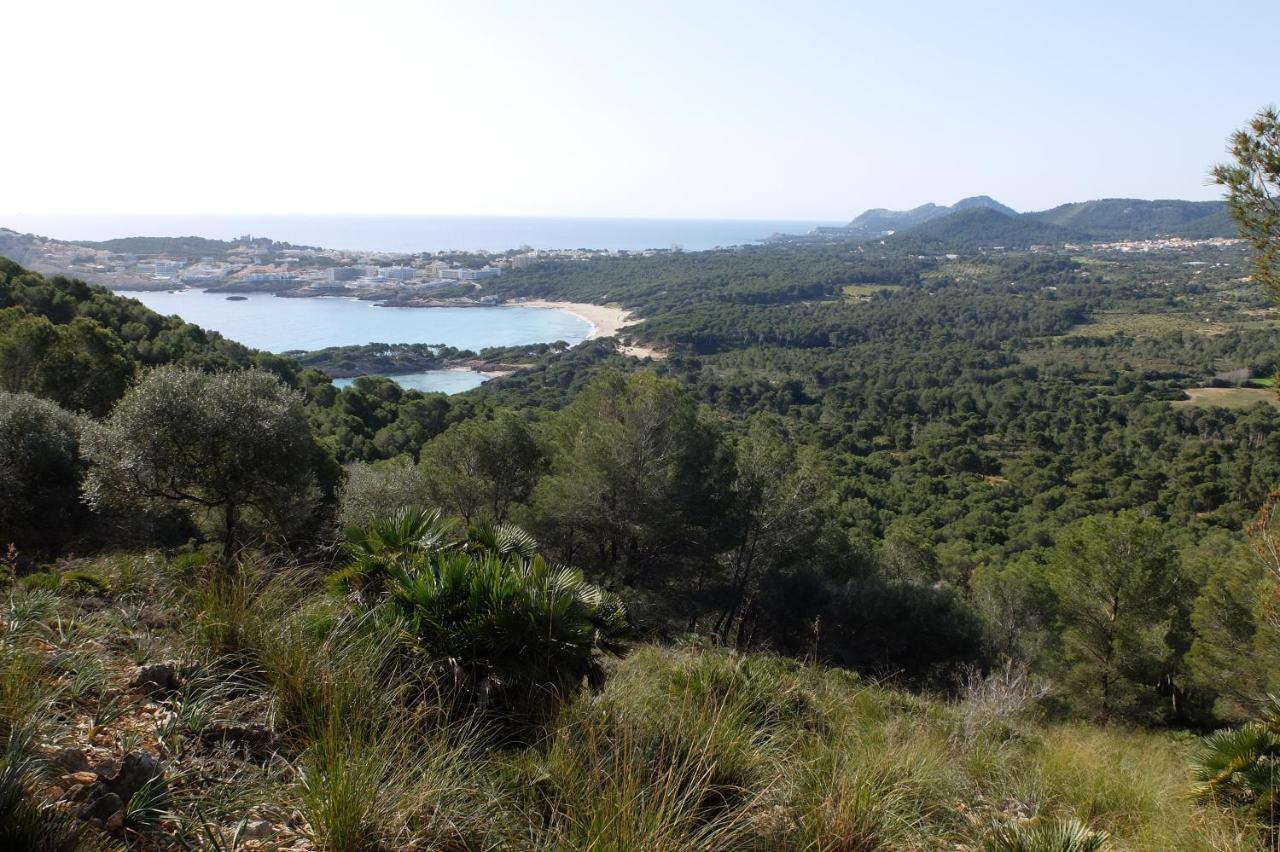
1146	325
1228	397
853	292
692	749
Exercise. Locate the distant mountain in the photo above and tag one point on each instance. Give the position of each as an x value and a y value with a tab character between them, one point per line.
1134	218
879	222
977	227
983	221
982	202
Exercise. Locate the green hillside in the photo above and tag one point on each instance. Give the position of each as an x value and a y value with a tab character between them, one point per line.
980	227
853	547
1131	218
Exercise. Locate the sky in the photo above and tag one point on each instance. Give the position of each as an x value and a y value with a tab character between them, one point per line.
694	109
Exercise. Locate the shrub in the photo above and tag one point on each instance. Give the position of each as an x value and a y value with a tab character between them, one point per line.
486	618
379	490
1241	767
1051	836
40	457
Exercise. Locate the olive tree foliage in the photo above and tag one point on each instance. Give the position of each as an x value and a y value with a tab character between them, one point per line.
232	446
379	489
1253	192
40	471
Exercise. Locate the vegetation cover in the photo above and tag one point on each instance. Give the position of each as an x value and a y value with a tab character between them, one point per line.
892	550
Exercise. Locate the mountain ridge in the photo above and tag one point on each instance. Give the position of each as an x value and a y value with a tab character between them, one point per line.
879	221
967	223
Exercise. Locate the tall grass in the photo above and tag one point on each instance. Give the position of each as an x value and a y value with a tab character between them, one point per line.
1136	785
693	749
234	612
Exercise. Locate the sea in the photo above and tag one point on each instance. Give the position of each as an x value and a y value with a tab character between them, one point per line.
282	324
422	233
279	324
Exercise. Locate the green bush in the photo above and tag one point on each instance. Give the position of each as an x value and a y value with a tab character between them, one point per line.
485	618
1240	767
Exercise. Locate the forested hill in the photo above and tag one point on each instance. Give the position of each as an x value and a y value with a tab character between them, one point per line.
908	467
981	228
981	221
1132	218
874	223
946	424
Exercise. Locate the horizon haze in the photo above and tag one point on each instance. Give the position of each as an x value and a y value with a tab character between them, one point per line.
721	111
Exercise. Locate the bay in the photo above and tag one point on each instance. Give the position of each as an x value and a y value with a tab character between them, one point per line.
277	324
433	381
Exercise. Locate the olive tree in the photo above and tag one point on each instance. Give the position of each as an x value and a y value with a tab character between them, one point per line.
39	471
216	443
379	489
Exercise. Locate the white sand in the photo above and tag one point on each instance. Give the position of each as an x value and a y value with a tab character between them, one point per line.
605	320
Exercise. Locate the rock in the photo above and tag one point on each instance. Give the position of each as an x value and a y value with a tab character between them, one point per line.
86	778
72	759
258	828
101	808
257	739
136	770
159	679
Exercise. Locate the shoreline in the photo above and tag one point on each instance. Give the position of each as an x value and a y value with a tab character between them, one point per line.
605	320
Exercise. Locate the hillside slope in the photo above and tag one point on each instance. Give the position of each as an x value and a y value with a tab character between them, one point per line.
980	228
879	222
1135	218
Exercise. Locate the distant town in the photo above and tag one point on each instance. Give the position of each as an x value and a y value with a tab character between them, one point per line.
256	264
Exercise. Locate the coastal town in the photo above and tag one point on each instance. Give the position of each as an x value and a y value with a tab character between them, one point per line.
256	264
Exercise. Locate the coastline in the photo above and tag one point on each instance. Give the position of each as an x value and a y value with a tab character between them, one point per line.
605	320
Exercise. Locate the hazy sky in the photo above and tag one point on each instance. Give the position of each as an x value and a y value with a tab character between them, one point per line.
805	110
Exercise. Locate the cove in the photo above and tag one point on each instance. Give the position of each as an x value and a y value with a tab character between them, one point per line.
276	324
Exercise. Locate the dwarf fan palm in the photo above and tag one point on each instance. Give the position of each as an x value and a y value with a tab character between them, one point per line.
1242	766
488	617
387	545
1052	836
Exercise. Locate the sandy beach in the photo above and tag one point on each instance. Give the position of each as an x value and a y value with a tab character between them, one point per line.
606	321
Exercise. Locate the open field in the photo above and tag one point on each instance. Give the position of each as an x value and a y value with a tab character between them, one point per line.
1228	397
1105	324
857	291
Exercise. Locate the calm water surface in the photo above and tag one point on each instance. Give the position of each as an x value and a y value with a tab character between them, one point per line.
276	324
434	381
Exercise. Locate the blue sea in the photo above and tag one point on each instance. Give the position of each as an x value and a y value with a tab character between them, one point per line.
422	233
278	324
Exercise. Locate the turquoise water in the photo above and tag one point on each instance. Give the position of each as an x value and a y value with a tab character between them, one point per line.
422	233
276	324
434	381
